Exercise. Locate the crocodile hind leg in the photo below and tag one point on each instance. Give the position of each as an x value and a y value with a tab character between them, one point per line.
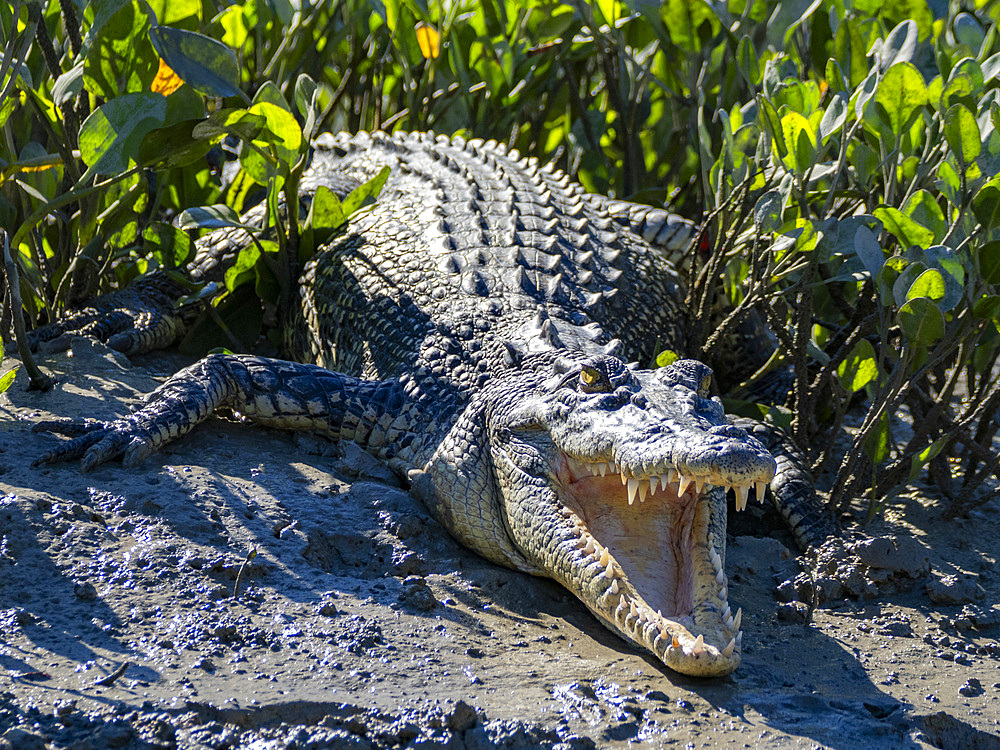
792	490
272	392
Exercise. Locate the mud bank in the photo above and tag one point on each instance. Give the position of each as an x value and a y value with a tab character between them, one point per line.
246	587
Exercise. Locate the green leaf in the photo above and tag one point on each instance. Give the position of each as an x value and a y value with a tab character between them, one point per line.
928	454
307	103
110	137
987	307
949	183
365	194
879	442
749	63
986	204
988	257
282	133
269	92
965	84
896	11
921	320
173	146
666	357
922	207
929	284
768	116
800	141
868	250
210	217
7	379
859	368
236	122
767	211
851	51
204	64
120	59
242	270
179	13
835	77
834	116
899	97
908	231
172	244
69	84
235	30
901	44
962	133
969	31
326	212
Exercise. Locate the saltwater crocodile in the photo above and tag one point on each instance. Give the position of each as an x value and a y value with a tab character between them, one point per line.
461	330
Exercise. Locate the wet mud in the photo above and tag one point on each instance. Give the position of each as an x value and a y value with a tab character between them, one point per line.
252	588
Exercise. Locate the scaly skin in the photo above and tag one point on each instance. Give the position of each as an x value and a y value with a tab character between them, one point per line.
466	321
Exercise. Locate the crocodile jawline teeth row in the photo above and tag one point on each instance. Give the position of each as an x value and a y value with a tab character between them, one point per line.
643	486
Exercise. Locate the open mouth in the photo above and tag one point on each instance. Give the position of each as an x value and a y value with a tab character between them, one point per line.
646	554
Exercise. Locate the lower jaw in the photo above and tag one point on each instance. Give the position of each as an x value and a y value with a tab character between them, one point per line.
700	637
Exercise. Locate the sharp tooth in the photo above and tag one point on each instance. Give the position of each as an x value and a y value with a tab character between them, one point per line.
609	571
741	497
588	550
643	489
739	640
761	490
720	578
727	615
612	467
728	650
633	610
714	556
738	619
653	481
699	484
633	486
602	469
614	585
699	644
674	643
664	481
683	483
624	478
605	558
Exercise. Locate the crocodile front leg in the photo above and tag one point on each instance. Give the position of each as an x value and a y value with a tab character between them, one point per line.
272	392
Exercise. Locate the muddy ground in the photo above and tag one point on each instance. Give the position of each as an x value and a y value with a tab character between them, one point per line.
359	623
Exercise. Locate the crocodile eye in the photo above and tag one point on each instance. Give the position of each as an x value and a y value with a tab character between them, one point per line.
592	380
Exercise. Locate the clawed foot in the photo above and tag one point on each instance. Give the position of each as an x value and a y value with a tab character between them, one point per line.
138	319
95	442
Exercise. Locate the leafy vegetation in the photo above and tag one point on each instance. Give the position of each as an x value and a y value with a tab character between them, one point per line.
843	156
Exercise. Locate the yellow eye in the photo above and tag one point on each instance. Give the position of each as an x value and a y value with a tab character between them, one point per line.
589	376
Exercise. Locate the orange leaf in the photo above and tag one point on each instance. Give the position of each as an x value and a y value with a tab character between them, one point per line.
166	81
428	39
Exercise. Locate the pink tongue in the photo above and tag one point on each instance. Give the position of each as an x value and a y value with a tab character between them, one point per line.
650	540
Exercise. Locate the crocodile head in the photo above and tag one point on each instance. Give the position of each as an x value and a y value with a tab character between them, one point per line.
612	481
